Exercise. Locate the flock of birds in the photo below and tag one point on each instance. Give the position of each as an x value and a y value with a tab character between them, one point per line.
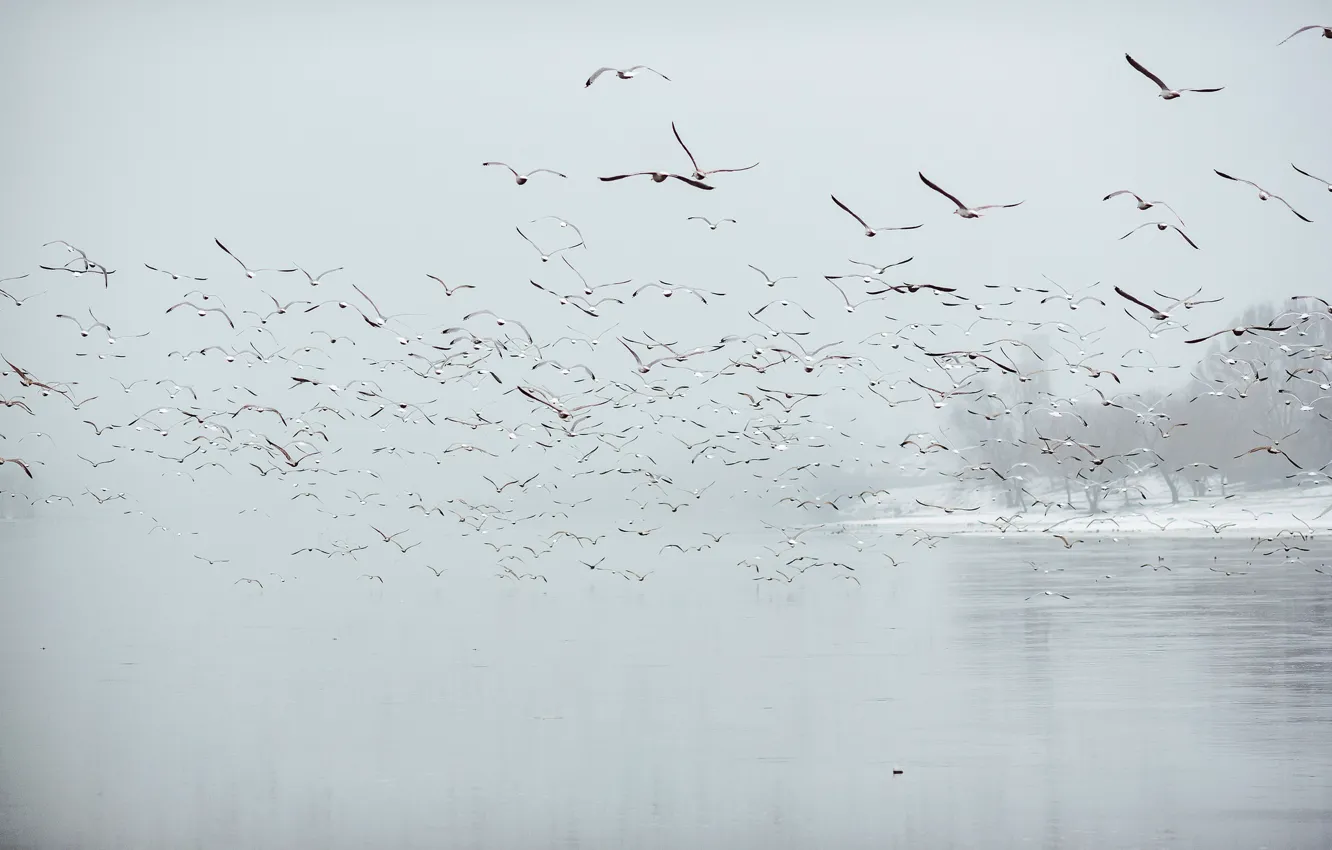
584	412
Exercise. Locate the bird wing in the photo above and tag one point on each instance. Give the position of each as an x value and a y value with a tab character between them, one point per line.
692	182
692	161
1298	31
997	207
1186	237
595	74
927	182
229	254
1307	174
732	170
1301	216
1118	192
1172	210
547	171
653	70
622	176
848	212
1142	304
1239	180
1203	91
502	165
1148	74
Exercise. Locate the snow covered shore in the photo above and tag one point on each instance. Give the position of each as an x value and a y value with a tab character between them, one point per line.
1255	514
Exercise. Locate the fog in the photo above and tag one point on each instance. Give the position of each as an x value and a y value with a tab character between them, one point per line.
284	363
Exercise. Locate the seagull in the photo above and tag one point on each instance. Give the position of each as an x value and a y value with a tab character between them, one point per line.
870	231
709	222
623	73
316	278
1300	170
1327	32
1167	93
945	508
1047	593
1240	331
173	275
880	269
962	209
1162	315
520	179
1263	194
249	272
660	177
251	581
545	258
1161	225
669	289
205	311
1144	205
771	281
561	222
700	174
448	291
83	332
17	462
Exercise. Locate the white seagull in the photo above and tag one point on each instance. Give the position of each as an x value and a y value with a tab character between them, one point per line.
712	225
520	179
1263	194
1167	93
870	231
660	177
623	73
1161	225
1143	205
962	209
249	272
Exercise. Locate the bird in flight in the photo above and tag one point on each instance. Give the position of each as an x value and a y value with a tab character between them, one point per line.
448	291
1240	331
1264	195
660	177
173	275
712	225
700	174
871	231
249	272
520	179
1144	205
1167	93
962	209
623	73
1161	225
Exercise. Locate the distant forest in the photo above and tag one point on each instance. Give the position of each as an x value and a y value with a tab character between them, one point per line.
1253	413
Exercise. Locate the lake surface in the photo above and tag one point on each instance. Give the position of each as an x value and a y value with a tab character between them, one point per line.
146	701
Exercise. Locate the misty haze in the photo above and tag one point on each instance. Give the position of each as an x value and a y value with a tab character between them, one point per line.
586	425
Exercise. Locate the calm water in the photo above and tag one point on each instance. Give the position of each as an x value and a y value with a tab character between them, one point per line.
155	704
